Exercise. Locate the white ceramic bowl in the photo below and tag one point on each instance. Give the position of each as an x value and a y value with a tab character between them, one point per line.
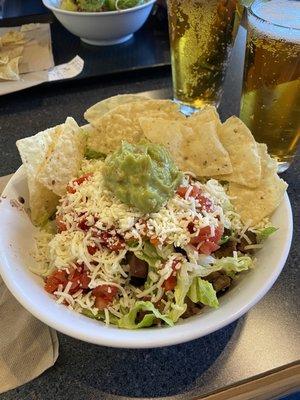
16	240
102	28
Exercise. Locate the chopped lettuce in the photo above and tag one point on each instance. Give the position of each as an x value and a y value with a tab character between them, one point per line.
263	234
90	5
50	227
128	321
165	251
202	291
100	316
224	239
94	155
184	281
132	244
152	254
123	4
68	5
88	313
148	254
232	265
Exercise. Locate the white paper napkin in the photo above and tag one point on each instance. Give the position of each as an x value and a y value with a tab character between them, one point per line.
37	65
27	346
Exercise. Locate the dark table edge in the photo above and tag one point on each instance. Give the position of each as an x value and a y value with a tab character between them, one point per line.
253	379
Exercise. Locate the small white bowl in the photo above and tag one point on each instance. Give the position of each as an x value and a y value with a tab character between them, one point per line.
102	28
16	244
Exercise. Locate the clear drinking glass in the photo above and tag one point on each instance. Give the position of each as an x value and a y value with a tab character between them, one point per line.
270	104
201	37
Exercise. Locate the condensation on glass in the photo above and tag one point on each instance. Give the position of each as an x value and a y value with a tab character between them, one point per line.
270	104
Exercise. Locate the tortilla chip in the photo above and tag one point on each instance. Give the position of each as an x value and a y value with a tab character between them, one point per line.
10	70
30	27
33	151
12	37
205	154
206	114
243	152
197	150
122	123
4	59
94	113
88	129
11	51
255	204
63	161
173	137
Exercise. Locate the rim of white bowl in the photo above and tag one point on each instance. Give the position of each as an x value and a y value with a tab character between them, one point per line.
48	4
145	338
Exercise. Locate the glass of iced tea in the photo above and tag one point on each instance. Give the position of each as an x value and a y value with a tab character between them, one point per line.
271	91
201	37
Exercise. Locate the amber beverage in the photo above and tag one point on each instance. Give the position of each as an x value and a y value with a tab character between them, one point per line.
201	37
270	104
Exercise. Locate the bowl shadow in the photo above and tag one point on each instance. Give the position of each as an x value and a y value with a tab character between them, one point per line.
91	372
143	372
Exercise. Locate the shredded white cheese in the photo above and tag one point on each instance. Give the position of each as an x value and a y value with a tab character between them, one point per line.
92	210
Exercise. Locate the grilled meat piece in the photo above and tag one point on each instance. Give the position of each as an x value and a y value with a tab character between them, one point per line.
219	280
138	269
243	243
192	308
226	249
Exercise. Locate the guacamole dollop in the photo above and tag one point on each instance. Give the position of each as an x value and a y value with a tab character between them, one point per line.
142	175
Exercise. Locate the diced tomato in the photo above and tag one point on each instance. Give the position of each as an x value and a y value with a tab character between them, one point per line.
195	192
218	233
104	295
80	280
83	178
116	245
208	247
174	265
105	291
82	224
71	189
181	191
51	284
204	234
92	249
142	228
112	242
74	271
78	277
75	285
78	181
101	303
170	283
60	225
84	281
191	227
58	277
61	276
154	240
209	243
205	203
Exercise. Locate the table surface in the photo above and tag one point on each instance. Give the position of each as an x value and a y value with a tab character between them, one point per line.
263	340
